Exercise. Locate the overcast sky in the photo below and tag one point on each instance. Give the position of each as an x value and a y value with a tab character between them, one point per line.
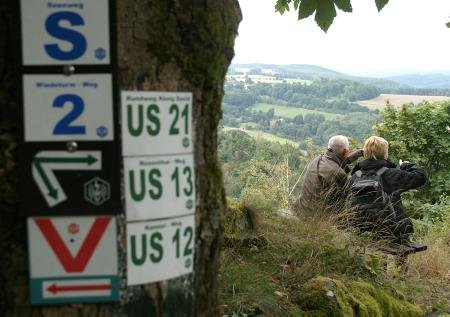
407	36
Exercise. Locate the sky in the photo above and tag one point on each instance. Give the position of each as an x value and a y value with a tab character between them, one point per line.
407	36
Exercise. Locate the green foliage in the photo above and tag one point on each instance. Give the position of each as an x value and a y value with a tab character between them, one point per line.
258	170
325	9
299	111
344	5
292	112
429	213
331	297
325	14
236	145
306	8
420	134
380	4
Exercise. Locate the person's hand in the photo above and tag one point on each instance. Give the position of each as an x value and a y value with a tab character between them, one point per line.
403	164
354	155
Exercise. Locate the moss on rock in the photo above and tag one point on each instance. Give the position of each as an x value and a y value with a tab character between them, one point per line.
323	296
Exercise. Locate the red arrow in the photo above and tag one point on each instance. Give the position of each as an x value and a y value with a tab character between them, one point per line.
77	288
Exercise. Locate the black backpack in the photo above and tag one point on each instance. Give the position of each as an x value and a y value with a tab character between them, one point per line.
368	201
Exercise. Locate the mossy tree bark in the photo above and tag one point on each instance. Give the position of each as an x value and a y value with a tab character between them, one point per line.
180	45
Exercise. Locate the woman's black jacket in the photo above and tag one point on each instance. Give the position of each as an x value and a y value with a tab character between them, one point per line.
395	180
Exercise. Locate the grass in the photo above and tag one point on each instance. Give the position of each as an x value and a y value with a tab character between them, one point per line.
291	112
264	135
288	274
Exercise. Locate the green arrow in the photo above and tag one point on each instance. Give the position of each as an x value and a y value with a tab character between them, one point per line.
89	160
38	161
52	192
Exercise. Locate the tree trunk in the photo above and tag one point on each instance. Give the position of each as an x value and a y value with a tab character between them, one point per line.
178	45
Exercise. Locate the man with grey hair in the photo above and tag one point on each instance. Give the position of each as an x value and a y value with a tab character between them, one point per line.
324	185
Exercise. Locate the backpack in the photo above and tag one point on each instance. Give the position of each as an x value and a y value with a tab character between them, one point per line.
368	201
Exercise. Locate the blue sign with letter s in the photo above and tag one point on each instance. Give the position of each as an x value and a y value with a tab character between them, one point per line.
78	41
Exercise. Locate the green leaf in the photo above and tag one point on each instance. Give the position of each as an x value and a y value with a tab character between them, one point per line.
380	4
282	6
447	24
344	5
296	3
325	14
306	8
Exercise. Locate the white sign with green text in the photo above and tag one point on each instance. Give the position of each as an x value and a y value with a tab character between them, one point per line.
160	250
159	186
155	123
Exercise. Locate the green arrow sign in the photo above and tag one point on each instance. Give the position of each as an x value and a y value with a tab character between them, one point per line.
46	162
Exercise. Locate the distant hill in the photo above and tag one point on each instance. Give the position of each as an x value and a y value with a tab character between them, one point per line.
305	71
437	80
297	70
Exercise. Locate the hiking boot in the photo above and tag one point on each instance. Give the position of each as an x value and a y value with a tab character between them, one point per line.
396	249
415	245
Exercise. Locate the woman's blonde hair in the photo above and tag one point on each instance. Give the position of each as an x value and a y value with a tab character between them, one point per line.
376	148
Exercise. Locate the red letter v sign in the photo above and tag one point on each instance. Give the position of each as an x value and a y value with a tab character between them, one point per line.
78	263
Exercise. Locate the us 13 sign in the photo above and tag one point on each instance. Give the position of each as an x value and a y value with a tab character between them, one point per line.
159	186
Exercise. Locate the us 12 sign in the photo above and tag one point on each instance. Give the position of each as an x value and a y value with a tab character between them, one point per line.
65	32
73	259
160	250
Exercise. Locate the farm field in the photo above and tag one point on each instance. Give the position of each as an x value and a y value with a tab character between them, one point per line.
291	112
398	100
264	135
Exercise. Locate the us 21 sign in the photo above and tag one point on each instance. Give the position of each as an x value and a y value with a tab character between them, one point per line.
155	123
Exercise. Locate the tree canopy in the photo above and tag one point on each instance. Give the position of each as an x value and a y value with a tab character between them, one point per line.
325	10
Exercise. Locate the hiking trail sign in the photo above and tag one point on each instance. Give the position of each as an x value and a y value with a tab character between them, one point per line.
45	162
159	186
69	150
58	32
159	250
156	123
73	259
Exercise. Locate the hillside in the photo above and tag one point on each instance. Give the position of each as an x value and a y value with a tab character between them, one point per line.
309	72
305	71
437	80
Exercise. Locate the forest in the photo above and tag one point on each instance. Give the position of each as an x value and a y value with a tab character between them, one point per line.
325	96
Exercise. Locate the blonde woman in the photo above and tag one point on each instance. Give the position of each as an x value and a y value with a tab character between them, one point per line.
395	224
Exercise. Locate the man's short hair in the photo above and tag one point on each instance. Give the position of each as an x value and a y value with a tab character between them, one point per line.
376	148
338	144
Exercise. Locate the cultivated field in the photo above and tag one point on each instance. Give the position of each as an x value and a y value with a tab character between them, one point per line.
264	135
291	112
398	100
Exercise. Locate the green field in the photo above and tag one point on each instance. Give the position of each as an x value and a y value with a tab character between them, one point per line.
291	112
264	135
